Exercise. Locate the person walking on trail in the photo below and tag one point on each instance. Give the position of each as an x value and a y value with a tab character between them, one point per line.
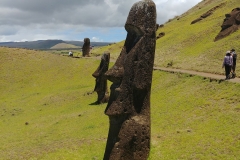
227	63
234	55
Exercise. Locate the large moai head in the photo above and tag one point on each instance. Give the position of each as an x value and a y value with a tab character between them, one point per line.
101	79
135	63
230	24
129	104
86	47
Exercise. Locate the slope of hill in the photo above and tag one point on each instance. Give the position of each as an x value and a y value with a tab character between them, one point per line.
47	113
80	43
191	46
40	44
47	44
42	95
64	46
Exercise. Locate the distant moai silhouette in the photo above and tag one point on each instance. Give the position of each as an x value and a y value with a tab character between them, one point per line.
230	24
160	35
129	103
207	14
101	79
86	48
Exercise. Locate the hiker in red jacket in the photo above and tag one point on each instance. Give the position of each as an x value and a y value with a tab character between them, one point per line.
227	63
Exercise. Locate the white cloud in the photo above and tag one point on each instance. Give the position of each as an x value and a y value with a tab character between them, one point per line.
33	19
96	39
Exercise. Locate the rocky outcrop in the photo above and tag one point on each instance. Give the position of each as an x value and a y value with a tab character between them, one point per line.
161	26
208	13
160	35
230	24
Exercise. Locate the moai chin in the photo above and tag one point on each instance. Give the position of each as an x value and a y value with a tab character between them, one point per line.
230	24
86	48
129	103
101	79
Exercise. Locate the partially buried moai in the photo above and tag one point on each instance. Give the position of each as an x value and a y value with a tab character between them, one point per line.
101	80
129	103
86	48
230	24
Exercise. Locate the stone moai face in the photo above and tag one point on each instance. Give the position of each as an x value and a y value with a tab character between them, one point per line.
129	104
101	79
230	24
86	47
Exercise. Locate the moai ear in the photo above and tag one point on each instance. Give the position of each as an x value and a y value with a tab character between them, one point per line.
238	17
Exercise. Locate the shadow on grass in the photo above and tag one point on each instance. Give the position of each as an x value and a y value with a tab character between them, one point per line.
95	103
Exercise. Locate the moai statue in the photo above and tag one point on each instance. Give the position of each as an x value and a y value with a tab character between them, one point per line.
230	24
129	103
86	48
101	79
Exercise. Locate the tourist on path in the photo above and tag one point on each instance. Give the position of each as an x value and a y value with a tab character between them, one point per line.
227	63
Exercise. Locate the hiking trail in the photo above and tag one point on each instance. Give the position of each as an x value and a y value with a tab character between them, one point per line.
191	72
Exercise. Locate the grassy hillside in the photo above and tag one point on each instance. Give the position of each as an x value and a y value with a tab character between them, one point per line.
192	46
46	111
63	46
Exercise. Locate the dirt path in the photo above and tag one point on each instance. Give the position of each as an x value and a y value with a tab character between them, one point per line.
202	74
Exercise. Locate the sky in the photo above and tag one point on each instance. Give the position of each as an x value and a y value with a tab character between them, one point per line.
99	20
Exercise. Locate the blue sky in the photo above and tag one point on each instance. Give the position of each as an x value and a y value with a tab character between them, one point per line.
99	20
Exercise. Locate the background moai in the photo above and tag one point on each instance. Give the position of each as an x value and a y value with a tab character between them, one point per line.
101	79
86	47
230	24
129	104
207	14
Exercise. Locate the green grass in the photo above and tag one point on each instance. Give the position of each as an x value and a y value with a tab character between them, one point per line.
64	46
50	93
46	111
193	118
114	50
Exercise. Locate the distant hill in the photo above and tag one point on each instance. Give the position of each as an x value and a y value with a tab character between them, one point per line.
64	46
40	44
48	44
80	43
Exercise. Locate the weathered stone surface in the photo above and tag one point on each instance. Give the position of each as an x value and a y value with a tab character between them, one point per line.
230	24
160	35
206	14
86	47
101	79
161	26
129	104
202	17
157	26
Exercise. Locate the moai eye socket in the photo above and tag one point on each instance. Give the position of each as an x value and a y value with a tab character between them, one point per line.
134	30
